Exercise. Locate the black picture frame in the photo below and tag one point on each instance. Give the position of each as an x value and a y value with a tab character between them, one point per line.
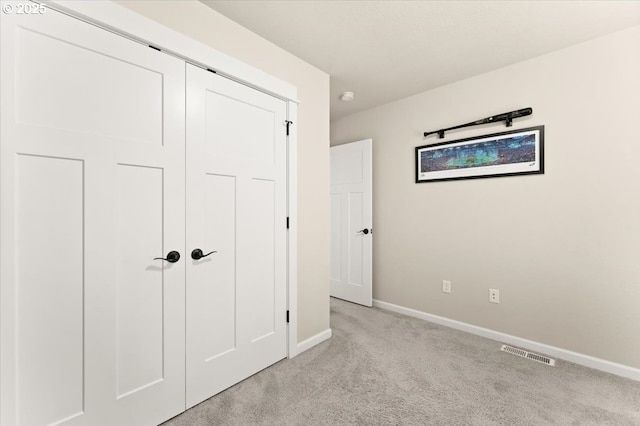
511	153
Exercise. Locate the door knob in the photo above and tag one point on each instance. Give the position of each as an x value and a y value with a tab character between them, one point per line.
365	231
197	254
172	257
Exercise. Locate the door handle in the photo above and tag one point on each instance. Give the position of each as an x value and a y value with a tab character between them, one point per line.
172	257
197	254
364	231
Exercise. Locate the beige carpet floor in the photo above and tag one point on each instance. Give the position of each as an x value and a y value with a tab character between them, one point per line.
382	368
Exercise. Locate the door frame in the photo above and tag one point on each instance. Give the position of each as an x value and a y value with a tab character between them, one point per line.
126	23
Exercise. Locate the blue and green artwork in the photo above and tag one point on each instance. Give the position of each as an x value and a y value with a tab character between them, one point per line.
510	150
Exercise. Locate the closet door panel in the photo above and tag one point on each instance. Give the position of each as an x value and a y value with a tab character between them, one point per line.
92	190
219	301
237	113
50	212
126	104
236	205
139	291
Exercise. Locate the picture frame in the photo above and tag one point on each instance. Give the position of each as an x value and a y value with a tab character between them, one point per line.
512	153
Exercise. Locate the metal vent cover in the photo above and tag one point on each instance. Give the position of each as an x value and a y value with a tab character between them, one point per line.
529	355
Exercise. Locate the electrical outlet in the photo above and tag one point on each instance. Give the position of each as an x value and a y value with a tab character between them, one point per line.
494	295
446	286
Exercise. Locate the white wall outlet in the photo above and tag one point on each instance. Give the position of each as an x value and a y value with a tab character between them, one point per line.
494	295
446	286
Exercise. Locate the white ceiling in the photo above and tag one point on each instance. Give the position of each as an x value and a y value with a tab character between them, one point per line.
387	50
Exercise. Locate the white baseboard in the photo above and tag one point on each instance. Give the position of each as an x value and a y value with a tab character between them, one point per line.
313	340
575	357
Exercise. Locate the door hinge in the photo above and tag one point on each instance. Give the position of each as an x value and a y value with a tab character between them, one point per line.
287	222
288	124
155	48
287	316
210	70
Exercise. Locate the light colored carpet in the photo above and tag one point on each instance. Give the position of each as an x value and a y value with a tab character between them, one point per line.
382	368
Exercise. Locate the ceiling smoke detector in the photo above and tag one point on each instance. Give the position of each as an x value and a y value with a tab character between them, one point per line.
346	96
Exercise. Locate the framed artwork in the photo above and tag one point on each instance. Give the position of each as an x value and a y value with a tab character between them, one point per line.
516	152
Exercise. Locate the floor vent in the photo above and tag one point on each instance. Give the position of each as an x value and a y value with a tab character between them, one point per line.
530	355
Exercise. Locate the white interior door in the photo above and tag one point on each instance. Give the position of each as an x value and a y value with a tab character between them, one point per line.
92	190
236	206
351	222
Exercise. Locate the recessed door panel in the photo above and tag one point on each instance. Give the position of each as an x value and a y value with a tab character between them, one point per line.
216	272
356	242
346	167
336	237
139	280
245	122
260	254
125	104
49	288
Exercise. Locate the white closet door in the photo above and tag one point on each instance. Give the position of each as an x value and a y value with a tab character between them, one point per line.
236	206
92	189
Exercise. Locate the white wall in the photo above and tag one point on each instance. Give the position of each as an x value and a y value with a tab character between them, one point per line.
563	248
202	23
